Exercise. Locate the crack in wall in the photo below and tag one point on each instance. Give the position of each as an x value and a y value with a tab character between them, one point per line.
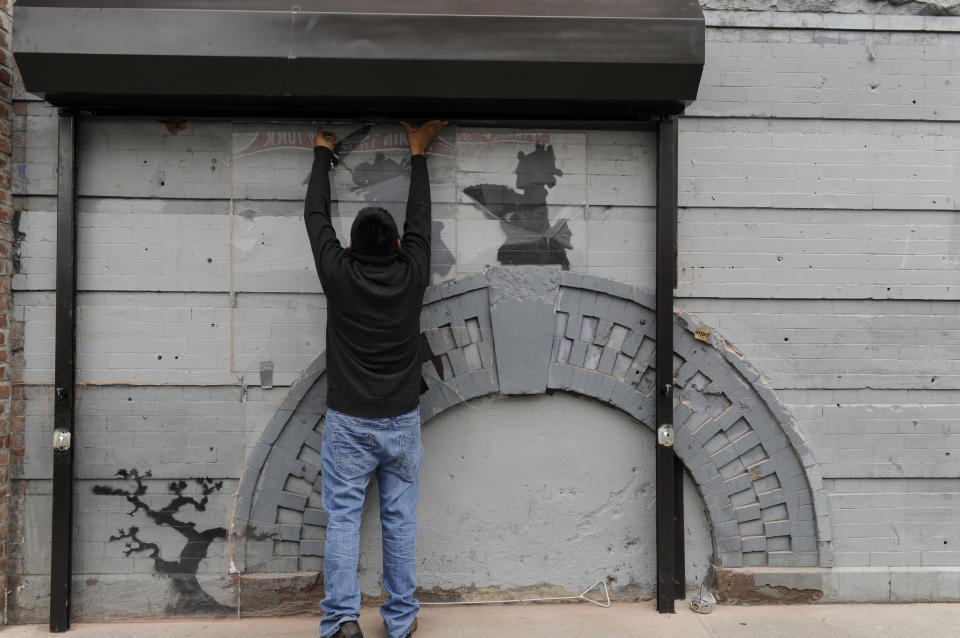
613	507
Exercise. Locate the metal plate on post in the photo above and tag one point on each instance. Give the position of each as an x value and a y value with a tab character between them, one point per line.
266	374
665	435
61	440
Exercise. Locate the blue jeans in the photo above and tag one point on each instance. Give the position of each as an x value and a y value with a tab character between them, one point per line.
353	449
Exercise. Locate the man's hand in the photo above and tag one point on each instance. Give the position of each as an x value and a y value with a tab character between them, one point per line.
324	139
420	138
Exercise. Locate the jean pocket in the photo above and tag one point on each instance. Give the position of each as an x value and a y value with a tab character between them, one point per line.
407	464
353	454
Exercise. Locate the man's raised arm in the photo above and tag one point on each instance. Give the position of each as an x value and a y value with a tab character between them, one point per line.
416	228
327	251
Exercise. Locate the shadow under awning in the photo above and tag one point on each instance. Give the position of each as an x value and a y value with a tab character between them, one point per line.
567	59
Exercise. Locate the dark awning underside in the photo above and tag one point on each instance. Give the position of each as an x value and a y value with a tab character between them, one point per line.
560	59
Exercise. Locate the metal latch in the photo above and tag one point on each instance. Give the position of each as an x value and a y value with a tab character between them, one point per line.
266	374
665	435
61	440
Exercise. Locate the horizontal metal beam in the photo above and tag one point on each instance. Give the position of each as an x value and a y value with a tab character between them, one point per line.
651	9
563	57
471	113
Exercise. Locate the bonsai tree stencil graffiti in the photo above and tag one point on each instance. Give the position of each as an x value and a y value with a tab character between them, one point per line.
531	238
187	597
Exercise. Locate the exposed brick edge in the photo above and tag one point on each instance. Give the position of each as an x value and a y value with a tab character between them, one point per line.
758	382
11	427
740	587
764	390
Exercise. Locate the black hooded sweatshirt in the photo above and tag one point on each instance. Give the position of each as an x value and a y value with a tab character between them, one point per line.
373	302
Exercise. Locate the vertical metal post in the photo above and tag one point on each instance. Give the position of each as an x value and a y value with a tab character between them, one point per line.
679	553
65	376
666	242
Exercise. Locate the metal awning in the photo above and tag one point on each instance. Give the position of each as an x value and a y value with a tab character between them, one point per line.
566	59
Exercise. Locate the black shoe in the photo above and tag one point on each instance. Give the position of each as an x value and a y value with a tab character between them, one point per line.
413	628
349	629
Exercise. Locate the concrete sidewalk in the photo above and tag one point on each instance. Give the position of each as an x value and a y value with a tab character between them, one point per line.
622	620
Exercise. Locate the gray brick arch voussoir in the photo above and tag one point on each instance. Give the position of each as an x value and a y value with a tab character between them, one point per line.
526	330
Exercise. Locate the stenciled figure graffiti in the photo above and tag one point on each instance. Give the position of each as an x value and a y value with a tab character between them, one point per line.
385	182
531	239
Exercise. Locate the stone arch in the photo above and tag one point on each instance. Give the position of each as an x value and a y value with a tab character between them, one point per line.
527	330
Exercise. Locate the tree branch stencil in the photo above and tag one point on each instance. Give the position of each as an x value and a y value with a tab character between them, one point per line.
186	594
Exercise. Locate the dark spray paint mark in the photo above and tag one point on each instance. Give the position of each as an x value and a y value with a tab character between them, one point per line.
426	354
524	215
379	173
187	597
343	147
175	126
386	182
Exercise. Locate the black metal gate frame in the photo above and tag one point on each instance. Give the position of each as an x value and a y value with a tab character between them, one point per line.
671	581
64	375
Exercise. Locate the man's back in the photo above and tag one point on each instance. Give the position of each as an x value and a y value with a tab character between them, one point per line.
373	335
373	314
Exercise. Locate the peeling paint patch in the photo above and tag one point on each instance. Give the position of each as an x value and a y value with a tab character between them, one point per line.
733	349
738	587
175	126
267	595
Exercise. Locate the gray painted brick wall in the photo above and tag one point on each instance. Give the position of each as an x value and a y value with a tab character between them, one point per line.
819	184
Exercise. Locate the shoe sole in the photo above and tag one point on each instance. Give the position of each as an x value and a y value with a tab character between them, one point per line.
413	628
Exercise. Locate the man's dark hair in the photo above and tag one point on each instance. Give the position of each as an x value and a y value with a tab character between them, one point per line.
374	232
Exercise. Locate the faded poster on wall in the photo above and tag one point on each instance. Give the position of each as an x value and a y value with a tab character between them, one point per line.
500	197
271	165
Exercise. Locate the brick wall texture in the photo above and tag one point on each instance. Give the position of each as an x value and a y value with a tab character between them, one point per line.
819	188
11	433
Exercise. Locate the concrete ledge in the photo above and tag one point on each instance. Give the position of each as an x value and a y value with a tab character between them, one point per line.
805	585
